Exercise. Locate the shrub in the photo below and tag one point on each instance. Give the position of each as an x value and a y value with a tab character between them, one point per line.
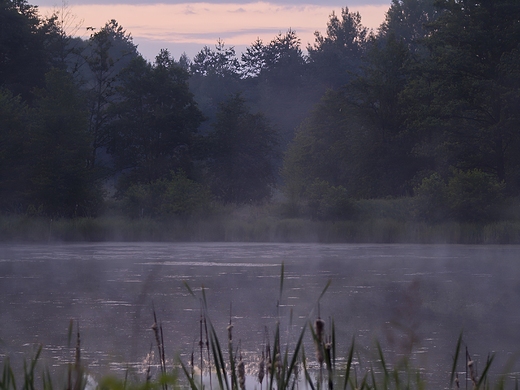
468	196
431	199
326	202
474	196
177	196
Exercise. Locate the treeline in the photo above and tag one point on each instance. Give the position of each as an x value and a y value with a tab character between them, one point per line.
426	107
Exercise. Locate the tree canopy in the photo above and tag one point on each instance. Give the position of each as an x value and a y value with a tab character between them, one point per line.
427	103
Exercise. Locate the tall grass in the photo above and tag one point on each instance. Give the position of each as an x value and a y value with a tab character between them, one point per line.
374	221
265	229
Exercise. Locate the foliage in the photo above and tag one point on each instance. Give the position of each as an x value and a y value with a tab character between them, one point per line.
155	121
242	152
215	75
408	20
468	196
459	97
175	196
24	55
433	93
14	128
220	62
337	56
253	59
107	52
328	202
431	198
474	196
322	148
61	183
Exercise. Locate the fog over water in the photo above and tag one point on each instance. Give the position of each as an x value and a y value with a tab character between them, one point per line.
396	294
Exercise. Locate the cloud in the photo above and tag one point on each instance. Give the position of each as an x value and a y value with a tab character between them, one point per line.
238	24
328	3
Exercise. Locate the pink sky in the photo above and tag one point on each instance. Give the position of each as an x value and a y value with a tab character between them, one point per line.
188	27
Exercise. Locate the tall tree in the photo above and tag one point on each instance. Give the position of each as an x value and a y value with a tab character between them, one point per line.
284	60
376	94
282	86
215	75
409	20
156	119
61	183
253	59
336	56
14	131
469	86
243	151
220	62
107	52
333	145
24	58
357	137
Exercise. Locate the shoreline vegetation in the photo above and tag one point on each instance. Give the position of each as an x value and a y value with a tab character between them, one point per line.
371	221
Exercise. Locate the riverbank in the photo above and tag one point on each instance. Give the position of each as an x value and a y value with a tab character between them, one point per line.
256	224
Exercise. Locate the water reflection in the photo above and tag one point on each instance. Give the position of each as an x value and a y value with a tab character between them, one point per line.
411	298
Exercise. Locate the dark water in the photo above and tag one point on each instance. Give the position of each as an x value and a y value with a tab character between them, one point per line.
409	297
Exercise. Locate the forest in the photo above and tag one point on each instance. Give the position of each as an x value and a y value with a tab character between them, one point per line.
425	110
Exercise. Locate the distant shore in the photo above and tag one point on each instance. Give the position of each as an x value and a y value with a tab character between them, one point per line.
378	222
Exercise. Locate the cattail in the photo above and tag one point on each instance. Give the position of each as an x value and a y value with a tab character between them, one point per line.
278	364
472	373
192	364
149	366
269	361
230	332
78	349
230	326
319	325
261	370
241	371
201	345
209	354
297	371
159	339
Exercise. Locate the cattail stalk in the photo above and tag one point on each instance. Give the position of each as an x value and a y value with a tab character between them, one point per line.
471	367
241	372
159	339
261	369
209	355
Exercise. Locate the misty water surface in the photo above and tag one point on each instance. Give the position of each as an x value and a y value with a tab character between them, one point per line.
402	295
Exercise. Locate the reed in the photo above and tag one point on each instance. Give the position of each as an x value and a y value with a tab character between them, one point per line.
377	221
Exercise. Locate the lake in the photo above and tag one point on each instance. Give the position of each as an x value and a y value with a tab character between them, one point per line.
413	299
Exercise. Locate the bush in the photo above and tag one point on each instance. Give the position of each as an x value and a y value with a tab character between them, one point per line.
431	199
177	196
326	202
474	196
468	196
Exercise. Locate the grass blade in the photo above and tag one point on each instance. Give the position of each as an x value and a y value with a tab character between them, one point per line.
455	359
349	364
189	288
486	369
188	376
292	365
325	289
281	281
305	371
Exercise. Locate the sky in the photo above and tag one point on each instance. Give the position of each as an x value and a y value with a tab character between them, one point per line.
183	26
